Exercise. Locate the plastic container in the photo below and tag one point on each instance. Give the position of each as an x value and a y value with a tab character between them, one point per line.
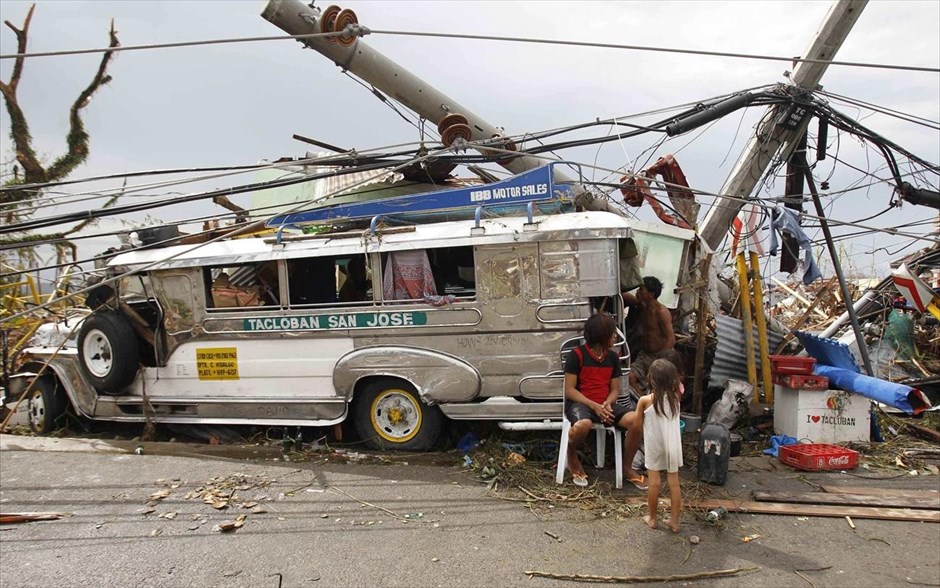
714	450
818	456
692	422
787	364
802	382
736	441
716	514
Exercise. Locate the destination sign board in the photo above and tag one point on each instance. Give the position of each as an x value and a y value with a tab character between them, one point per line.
360	320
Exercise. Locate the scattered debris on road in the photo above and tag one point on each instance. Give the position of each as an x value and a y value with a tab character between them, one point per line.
9	518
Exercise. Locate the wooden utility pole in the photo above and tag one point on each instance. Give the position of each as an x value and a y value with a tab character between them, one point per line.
773	138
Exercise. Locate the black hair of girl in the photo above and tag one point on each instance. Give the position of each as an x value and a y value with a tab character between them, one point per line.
664	383
598	330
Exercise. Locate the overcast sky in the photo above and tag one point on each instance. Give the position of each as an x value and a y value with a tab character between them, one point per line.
240	103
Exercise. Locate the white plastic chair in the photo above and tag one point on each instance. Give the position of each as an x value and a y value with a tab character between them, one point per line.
601	439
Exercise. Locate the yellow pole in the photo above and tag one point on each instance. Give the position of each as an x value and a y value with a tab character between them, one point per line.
761	329
741	264
33	290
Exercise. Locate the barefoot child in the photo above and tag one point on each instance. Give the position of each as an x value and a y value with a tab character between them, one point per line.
658	414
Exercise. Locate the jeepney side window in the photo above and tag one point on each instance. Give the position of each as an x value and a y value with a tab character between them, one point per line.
312	281
238	286
354	279
437	276
454	271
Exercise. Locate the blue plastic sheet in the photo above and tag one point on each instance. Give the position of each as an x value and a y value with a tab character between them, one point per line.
910	400
468	442
828	351
836	362
776	442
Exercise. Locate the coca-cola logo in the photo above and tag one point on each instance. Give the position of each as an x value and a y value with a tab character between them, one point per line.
841	460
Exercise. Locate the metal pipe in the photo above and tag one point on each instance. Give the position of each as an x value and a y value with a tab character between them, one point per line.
546	425
832	329
746	323
762	341
824	225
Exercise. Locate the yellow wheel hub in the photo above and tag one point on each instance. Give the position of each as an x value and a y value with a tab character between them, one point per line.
396	415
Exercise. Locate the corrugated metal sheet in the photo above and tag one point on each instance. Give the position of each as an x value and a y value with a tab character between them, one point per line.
729	363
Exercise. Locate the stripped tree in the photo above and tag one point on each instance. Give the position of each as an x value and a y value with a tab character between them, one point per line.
20	192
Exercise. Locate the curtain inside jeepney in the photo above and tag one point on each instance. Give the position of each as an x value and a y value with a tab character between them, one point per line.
408	276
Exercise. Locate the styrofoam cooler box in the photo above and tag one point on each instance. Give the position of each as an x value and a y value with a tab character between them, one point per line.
821	416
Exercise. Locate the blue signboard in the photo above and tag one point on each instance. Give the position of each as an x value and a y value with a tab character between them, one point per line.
535	185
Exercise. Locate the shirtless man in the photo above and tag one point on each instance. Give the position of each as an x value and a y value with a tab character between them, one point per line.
658	339
656	330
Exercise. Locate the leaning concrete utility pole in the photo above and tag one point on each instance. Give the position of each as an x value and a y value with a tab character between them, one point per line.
775	135
358	58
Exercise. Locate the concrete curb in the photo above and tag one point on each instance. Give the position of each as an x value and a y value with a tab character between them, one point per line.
73	445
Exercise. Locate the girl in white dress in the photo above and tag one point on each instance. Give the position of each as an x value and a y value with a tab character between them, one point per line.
658	414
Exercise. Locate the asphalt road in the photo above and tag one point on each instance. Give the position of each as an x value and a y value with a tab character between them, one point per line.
329	524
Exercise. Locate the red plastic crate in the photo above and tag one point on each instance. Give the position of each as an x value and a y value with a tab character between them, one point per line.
801	382
787	364
818	456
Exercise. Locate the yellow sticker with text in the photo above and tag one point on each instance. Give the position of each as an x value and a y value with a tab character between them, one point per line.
217	363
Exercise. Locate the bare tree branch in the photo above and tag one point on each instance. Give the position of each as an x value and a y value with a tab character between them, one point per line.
77	139
21	36
19	129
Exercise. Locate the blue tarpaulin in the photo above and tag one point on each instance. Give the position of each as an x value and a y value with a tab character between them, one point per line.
910	400
836	362
778	441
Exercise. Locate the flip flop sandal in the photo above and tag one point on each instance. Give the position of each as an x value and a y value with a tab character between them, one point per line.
639	482
581	481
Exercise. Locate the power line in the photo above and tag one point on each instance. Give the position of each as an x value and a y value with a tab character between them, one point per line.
905	116
124	48
792	60
98	213
233	232
155	172
360	31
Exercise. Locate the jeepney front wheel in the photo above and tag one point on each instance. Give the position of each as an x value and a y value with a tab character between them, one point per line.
389	414
46	406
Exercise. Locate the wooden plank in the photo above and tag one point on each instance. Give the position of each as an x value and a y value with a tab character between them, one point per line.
923	432
932	503
873	491
798	296
820	510
799	324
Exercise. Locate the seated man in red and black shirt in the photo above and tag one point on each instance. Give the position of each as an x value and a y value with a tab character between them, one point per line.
592	385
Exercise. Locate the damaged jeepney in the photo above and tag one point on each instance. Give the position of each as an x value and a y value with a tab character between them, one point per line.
398	329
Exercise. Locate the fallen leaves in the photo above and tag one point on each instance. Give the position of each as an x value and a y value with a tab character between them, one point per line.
220	493
228	526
